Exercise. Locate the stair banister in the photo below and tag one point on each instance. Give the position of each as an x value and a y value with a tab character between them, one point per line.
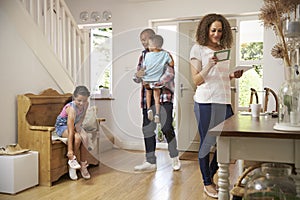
55	20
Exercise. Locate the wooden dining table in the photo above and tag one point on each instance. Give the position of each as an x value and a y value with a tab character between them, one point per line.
243	137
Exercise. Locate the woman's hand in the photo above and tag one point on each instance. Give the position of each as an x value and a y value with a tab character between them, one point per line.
212	62
237	74
199	72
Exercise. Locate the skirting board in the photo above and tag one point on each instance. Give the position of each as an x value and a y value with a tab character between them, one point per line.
130	145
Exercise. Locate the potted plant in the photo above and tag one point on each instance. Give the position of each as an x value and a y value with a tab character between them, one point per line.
104	91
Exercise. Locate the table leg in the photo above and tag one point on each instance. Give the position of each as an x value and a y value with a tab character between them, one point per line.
223	181
297	166
297	182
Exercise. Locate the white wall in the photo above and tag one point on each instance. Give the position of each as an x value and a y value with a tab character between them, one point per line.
128	19
20	73
273	68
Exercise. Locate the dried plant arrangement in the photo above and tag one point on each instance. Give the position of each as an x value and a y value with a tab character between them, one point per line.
275	14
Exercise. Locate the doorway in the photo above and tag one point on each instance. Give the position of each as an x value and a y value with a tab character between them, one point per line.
178	40
182	36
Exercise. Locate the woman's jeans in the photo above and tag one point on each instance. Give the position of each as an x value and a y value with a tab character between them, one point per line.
208	116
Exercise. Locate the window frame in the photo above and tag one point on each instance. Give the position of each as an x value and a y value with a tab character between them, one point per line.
246	62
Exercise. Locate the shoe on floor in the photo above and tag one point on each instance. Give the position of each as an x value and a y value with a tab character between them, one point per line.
176	163
73	163
210	194
150	114
146	166
73	174
156	118
84	171
216	186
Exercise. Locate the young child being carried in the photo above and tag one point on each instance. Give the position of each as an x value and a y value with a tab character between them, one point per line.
155	63
68	125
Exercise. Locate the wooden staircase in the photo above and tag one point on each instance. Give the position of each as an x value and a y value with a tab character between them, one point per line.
50	30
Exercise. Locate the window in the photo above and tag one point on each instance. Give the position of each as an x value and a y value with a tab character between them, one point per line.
101	57
250	52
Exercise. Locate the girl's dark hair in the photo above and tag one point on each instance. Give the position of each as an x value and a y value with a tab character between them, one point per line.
81	90
202	31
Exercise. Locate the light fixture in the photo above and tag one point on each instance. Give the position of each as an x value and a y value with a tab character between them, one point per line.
84	16
106	15
95	16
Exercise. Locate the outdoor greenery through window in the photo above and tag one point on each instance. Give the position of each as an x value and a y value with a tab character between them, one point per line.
250	53
101	57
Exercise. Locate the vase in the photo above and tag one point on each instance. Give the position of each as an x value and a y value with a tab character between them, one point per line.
288	97
273	182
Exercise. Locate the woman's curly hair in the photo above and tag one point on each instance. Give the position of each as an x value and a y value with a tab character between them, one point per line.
202	32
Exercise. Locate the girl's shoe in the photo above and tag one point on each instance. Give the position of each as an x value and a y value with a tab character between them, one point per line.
73	163
84	171
210	194
73	174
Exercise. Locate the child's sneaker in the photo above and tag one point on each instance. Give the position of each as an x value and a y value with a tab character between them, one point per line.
73	174
156	118
150	114
73	163
84	172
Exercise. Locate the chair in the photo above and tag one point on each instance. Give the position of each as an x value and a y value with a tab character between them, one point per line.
268	90
266	98
36	118
253	92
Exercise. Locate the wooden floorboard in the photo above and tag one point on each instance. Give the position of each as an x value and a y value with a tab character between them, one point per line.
114	179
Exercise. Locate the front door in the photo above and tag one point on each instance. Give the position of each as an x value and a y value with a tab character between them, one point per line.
188	137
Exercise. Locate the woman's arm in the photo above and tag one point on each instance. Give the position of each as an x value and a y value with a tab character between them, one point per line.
198	72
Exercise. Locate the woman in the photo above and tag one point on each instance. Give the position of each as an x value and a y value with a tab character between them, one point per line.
212	96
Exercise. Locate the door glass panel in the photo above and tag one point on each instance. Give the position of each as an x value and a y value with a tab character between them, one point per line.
250	52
